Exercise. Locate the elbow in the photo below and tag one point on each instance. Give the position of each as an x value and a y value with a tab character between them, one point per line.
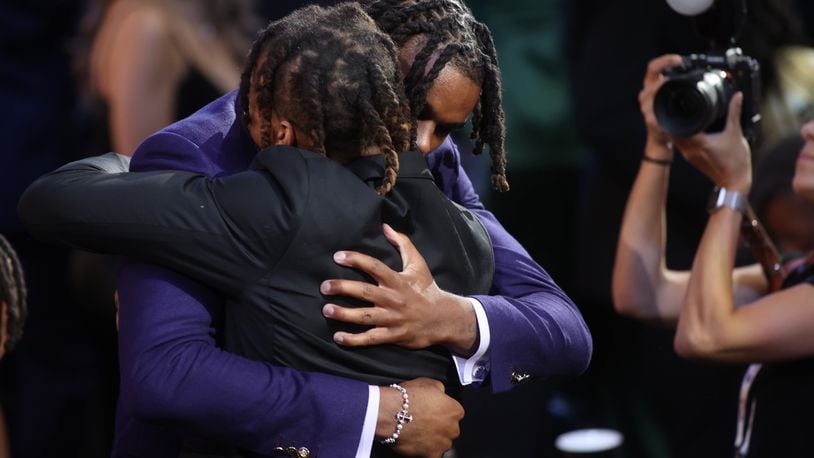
624	302
622	305
582	358
578	350
584	349
702	333
643	303
40	208
155	385
636	285
28	204
146	397
695	344
629	305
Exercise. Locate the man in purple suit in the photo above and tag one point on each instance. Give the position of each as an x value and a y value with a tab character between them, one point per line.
176	379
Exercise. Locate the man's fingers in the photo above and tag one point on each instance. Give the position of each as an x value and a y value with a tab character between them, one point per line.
370	265
356	289
372	316
375	336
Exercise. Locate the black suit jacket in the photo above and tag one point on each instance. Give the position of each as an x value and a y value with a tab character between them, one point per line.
265	238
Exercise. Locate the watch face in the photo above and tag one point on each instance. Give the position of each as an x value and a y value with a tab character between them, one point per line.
722	197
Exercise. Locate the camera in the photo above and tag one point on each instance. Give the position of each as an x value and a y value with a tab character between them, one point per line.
695	98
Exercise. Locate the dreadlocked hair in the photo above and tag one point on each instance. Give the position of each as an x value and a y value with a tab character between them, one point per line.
334	75
447	29
12	292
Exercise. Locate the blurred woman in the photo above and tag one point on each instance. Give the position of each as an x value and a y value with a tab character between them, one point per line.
152	62
12	315
723	313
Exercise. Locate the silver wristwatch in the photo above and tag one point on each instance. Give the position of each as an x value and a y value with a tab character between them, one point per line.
722	197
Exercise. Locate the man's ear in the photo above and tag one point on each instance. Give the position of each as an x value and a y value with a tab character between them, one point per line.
283	131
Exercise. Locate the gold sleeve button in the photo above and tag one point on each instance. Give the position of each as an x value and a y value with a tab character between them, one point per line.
518	377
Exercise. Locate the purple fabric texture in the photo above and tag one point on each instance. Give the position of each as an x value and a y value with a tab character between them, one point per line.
173	374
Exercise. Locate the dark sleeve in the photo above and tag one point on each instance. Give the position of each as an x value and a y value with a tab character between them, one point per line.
214	230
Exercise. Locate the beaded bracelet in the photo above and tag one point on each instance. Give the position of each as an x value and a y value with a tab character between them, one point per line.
401	416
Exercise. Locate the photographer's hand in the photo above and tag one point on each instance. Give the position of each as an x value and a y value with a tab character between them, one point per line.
724	156
657	139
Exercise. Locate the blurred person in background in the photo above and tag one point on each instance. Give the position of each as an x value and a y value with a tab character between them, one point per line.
149	63
53	387
724	313
13	311
638	383
789	218
13	293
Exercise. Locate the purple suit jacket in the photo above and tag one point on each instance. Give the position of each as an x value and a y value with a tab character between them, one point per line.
176	380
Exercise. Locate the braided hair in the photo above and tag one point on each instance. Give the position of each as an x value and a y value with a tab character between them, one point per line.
12	292
451	33
334	75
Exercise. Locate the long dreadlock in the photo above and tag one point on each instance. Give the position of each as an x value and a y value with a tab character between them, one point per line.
334	75
12	292
457	38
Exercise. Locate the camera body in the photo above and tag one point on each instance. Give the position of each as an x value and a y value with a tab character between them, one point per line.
695	98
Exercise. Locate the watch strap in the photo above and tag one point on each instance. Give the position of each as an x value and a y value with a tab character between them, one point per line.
722	197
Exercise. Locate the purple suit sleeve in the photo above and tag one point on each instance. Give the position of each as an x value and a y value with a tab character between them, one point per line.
535	329
172	373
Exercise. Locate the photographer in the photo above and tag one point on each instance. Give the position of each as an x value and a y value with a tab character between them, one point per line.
770	327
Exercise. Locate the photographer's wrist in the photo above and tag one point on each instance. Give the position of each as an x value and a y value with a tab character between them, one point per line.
658	148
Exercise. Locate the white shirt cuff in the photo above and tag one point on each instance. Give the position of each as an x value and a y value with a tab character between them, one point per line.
369	426
475	368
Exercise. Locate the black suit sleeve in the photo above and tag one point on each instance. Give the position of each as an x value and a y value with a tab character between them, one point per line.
221	232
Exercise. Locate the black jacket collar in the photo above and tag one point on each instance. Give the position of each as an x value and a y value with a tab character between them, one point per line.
367	168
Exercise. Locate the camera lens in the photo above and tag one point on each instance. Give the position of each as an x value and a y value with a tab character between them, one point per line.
690	103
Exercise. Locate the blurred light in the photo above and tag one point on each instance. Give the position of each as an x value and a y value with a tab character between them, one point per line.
588	441
690	7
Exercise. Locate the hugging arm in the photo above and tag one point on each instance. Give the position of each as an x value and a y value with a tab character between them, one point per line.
533	328
175	218
171	218
172	373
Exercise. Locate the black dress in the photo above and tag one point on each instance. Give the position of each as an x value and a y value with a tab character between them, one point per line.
782	396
